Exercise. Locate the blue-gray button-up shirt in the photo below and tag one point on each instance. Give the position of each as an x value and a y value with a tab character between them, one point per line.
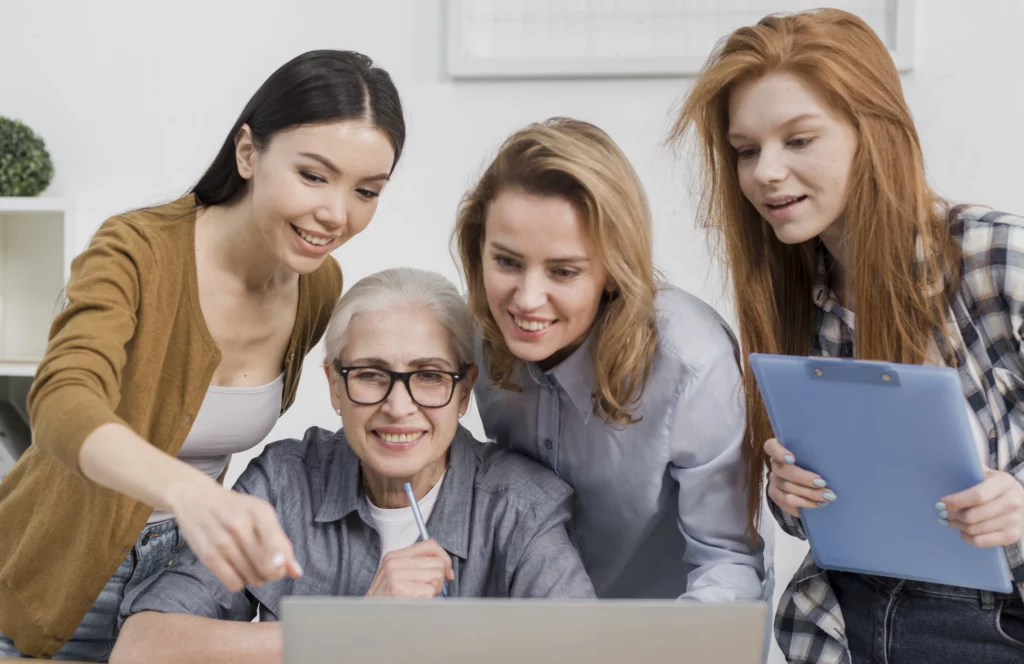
501	517
660	504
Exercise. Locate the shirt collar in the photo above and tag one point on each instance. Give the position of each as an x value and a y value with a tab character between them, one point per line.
821	292
574	375
449	522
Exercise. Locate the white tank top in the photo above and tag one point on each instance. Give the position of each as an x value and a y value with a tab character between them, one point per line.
231	420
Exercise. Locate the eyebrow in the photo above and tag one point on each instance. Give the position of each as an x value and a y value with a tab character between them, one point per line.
329	165
732	136
384	364
562	260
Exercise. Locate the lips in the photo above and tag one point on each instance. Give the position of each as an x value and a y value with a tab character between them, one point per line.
399	441
783	203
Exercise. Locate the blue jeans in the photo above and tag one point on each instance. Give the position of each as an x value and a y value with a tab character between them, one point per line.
154	551
895	621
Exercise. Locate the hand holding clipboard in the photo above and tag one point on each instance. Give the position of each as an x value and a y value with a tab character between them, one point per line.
880	463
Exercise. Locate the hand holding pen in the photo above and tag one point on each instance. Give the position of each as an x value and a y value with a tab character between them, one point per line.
416	571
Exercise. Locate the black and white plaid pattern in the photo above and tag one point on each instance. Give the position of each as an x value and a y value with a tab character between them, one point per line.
986	324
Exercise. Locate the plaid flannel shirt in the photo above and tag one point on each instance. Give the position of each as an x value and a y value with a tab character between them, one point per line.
986	323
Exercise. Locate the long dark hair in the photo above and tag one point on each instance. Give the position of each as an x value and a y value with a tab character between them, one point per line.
315	87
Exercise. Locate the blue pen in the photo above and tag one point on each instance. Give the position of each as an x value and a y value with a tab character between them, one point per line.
416	514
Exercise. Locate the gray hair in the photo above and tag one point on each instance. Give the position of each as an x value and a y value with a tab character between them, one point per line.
399	288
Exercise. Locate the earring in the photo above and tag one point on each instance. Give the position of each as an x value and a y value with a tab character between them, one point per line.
338	411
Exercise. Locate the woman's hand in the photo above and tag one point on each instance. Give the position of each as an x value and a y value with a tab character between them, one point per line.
236	536
417	571
988	514
791	487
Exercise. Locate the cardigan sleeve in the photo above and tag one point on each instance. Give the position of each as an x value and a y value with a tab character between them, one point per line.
77	385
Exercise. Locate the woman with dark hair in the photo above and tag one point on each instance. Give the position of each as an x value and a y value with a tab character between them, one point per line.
181	343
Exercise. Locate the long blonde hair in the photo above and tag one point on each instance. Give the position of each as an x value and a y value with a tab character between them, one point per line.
890	207
576	161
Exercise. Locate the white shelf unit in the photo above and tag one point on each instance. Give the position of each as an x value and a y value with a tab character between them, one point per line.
36	245
36	240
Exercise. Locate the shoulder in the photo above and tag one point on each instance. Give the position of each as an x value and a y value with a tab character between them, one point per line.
992	246
149	232
285	462
520	481
981	229
690	332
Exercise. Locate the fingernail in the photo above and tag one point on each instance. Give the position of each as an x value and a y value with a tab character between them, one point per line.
943	522
820	483
277	560
940	506
822	504
789	459
298	568
829	496
943	514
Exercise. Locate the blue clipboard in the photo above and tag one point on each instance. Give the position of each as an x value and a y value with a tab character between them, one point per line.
890	440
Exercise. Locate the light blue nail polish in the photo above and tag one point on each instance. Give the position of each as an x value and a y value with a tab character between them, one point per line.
822	504
820	483
943	522
829	496
940	506
789	459
944	514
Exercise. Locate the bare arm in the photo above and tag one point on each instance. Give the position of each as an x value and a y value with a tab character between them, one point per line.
237	536
166	638
118	458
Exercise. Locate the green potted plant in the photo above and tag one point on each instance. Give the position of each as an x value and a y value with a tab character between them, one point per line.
25	165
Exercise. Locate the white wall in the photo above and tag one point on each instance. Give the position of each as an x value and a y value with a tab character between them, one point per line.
134	98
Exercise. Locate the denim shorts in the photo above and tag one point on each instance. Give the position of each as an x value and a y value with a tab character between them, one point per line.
156	550
895	621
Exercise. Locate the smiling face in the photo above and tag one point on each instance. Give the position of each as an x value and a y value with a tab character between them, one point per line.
542	275
794	155
314	187
398	440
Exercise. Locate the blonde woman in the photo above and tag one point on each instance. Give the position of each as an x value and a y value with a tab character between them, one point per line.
814	178
627	388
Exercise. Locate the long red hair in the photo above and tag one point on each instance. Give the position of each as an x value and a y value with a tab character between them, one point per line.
891	212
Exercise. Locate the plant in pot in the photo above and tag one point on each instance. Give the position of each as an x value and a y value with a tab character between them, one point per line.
25	165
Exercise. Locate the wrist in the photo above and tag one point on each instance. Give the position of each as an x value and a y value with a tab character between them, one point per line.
186	490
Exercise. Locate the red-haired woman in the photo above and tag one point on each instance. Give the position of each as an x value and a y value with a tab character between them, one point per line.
836	246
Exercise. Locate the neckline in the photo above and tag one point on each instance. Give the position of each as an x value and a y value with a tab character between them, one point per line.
193	285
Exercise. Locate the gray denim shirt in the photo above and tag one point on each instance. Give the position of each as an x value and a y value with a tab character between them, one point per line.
660	505
500	516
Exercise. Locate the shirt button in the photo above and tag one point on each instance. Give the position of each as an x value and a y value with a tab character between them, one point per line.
993	434
169	563
548	444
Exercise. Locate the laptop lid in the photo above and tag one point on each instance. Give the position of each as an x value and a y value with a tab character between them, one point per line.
501	631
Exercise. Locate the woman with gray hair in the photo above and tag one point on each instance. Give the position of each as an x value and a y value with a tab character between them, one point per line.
400	369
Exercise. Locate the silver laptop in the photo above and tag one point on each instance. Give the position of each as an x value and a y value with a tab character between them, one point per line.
495	631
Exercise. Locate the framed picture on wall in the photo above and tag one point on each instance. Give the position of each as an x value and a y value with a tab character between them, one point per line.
618	38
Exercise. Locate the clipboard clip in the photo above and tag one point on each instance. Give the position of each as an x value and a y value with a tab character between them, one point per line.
853	372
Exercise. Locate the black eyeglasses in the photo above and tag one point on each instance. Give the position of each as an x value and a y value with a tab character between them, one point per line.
369	386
